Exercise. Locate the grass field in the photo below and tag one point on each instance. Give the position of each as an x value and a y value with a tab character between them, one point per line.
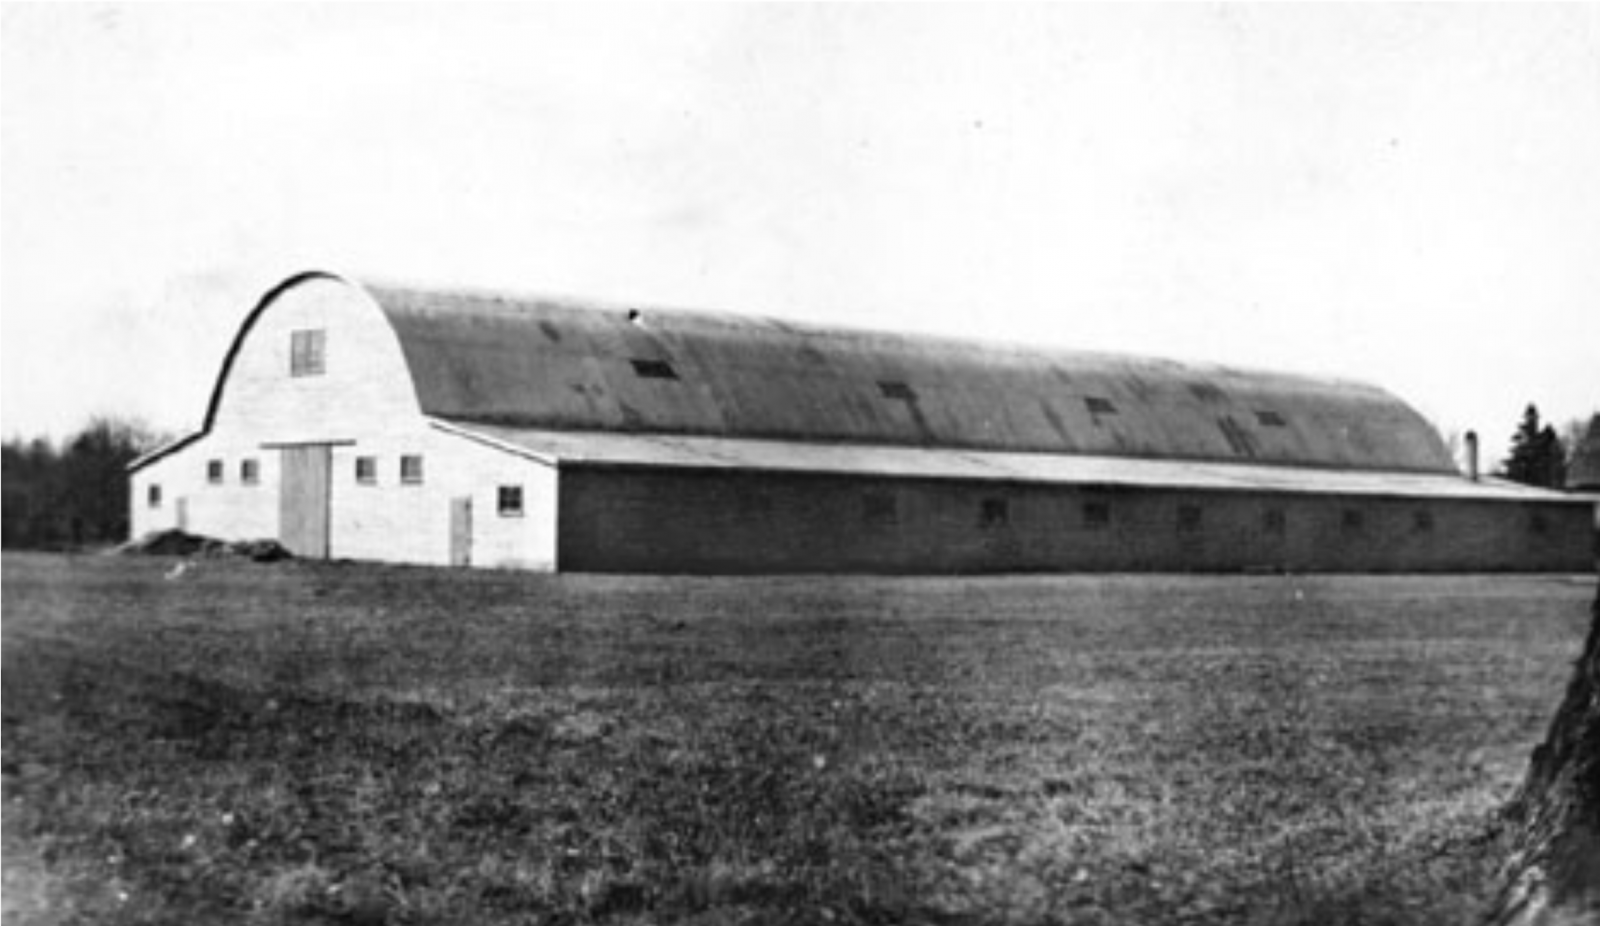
303	743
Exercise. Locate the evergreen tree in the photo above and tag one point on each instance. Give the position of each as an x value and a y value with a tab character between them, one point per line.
1538	457
1551	459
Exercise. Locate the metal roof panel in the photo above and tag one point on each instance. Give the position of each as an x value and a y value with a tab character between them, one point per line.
564	365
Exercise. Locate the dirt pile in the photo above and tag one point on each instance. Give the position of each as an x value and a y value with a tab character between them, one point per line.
176	542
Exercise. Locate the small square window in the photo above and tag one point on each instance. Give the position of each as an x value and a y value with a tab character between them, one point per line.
893	389
1353	520
214	471
654	369
509	501
1098	406
1274	522
1270	419
367	470
994	512
1537	523
878	509
153	496
411	468
1189	517
1096	515
307	352
1422	522
250	471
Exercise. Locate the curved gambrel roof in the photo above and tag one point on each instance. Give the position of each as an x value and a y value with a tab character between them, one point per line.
563	365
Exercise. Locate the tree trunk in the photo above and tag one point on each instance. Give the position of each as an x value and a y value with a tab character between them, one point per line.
1552	874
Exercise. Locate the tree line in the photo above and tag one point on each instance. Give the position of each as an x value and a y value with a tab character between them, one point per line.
72	494
1539	455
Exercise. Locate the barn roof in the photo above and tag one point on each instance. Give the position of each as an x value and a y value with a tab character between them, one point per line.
660	451
530	363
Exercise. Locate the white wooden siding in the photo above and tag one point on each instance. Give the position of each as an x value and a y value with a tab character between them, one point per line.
364	405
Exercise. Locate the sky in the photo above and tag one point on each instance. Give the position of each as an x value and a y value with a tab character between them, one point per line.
1407	195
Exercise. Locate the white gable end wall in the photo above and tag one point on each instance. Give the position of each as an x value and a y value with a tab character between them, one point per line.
365	387
362	404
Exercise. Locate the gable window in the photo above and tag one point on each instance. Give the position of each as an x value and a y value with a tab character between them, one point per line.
411	468
1274	522
250	471
367	470
508	501
878	509
306	352
994	512
214	471
1188	519
153	495
1270	419
653	369
1096	515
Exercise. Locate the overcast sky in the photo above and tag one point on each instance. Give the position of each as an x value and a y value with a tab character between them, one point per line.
1408	194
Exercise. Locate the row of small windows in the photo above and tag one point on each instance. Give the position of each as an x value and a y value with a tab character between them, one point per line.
881	510
410	469
249	471
366	470
1097	406
508	498
308	357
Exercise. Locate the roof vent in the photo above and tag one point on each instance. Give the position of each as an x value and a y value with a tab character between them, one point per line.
893	389
654	369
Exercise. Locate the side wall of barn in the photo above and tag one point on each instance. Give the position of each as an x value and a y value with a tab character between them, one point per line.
637	519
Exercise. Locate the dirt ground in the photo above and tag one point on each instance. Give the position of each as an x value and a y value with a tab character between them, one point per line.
330	743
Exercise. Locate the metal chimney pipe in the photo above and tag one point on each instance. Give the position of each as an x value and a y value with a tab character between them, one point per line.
1472	455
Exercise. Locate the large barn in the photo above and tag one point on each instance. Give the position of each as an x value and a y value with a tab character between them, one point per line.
378	423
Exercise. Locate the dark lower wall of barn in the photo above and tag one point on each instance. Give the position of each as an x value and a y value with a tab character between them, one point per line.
640	520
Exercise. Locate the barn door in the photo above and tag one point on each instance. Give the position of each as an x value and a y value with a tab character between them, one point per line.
303	505
461	531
